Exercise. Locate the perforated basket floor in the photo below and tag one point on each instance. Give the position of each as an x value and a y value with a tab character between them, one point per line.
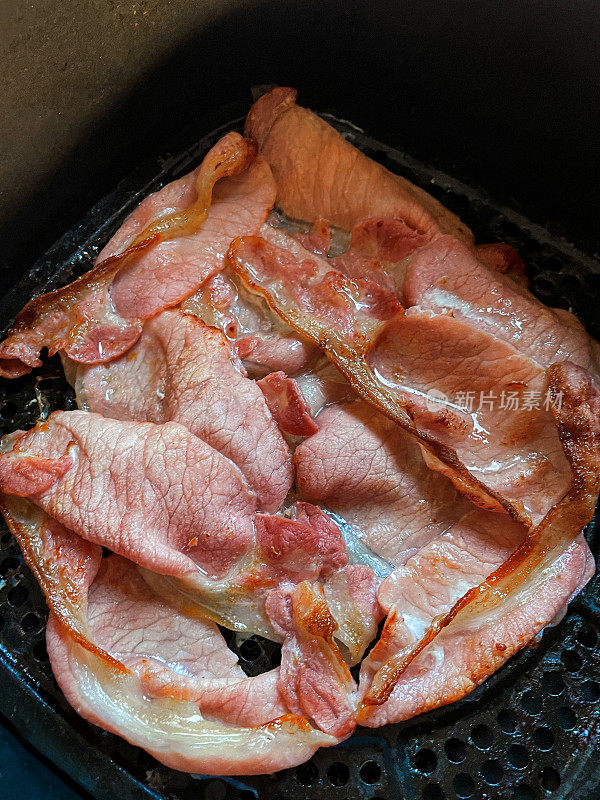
531	731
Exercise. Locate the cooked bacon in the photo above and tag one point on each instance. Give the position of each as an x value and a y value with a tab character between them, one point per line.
166	500
515	452
306	545
467	386
287	404
394	359
310	546
264	344
503	258
173	243
318	240
446	275
113	652
183	371
463	654
153	493
351	595
523	594
173	731
365	468
263	353
92	654
321	175
314	679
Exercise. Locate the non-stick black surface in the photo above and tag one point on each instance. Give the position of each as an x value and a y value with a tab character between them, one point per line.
531	731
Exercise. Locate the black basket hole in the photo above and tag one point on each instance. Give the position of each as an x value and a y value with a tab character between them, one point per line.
18	595
549	779
590	692
482	737
553	263
275	657
571	660
566	718
426	760
507	719
31	623
370	772
463	785
543	738
512	230
246	794
338	774
518	756
455	750
307	774
571	283
433	791
491	772
9	564
250	650
531	702
587	636
6	537
552	682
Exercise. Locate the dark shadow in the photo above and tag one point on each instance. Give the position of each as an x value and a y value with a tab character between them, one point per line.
505	96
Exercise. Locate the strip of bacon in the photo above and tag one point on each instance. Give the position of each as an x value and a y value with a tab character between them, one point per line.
153	493
182	371
364	467
166	500
447	276
411	365
114	654
169	247
321	175
526	591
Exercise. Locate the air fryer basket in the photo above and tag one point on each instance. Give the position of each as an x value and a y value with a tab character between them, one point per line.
530	731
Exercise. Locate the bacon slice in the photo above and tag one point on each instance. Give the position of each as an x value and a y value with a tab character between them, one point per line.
183	371
153	493
364	467
314	679
287	404
321	175
446	275
400	684
410	365
166	500
520	597
166	250
114	654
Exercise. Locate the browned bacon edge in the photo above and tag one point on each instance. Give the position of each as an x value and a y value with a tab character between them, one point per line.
31	548
231	156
